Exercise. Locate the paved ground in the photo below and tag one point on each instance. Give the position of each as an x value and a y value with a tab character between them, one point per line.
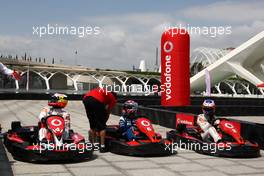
184	163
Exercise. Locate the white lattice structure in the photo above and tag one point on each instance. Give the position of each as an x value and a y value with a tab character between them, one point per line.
246	61
47	72
206	56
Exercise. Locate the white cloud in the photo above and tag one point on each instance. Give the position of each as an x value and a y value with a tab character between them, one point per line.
227	11
126	39
239	35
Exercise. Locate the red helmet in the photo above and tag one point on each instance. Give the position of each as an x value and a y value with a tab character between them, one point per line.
130	108
58	100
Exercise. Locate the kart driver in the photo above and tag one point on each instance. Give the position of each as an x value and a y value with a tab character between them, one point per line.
206	119
128	119
56	105
98	104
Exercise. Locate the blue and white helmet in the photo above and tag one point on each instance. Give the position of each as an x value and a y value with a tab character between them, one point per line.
130	108
208	107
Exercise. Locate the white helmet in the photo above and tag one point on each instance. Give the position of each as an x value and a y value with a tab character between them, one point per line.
208	107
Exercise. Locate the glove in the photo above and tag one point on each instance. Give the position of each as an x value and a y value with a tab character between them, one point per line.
16	75
135	131
130	134
216	122
106	107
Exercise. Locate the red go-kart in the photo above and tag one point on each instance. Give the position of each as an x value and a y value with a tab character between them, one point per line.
187	135
148	143
22	142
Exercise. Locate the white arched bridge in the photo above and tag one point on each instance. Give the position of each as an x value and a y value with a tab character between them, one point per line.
233	71
77	78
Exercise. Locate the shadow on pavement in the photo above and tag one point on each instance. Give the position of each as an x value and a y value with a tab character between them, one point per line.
5	164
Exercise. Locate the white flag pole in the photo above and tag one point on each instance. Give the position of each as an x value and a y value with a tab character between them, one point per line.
208	83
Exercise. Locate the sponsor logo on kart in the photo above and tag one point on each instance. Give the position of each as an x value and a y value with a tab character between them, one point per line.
149	129
145	123
56	122
180	121
230	126
58	130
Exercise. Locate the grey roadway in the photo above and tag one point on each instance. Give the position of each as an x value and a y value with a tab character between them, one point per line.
184	163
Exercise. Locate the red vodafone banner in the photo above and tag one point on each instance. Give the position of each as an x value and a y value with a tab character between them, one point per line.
175	68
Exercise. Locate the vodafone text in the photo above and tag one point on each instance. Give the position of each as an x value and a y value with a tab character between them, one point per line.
167	74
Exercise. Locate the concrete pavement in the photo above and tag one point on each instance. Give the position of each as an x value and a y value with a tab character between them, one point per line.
184	163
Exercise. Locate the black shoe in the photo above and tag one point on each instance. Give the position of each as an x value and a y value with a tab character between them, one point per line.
103	150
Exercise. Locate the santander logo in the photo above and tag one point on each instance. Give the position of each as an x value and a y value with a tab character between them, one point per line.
180	121
167	47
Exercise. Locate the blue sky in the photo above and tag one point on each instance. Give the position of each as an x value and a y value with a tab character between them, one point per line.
131	30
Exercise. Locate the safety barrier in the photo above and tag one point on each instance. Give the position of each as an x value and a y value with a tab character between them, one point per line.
167	118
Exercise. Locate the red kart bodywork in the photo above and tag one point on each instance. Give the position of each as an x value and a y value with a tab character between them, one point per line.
232	144
22	142
144	125
56	125
148	143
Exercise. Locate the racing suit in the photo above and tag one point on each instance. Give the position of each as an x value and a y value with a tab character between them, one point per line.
47	111
207	128
127	127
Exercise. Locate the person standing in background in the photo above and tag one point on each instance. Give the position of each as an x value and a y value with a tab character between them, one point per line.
98	104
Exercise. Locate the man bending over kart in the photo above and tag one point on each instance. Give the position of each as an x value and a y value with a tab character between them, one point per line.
206	119
56	104
98	104
127	122
14	74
